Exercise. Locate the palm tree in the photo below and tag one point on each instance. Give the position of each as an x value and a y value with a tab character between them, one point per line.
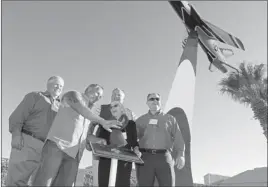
249	86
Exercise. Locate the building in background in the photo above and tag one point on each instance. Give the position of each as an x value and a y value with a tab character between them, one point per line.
212	178
254	177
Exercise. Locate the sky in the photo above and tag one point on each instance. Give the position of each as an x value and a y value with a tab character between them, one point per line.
136	46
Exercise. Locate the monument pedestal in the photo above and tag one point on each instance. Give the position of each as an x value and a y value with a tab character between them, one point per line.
180	104
113	172
115	154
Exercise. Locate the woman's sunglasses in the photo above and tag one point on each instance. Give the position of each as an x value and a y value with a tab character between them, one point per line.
154	98
114	106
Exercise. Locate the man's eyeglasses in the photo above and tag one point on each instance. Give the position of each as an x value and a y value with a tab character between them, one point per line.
114	106
154	98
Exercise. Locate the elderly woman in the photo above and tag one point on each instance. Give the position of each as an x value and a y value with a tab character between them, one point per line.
127	137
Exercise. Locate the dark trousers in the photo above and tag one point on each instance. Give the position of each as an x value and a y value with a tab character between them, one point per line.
122	176
159	165
184	175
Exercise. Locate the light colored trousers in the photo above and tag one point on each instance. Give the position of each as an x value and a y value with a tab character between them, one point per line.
56	167
95	165
23	163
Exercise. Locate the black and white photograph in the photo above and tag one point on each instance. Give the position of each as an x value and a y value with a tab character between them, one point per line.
133	93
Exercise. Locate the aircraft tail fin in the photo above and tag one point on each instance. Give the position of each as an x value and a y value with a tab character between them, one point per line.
224	36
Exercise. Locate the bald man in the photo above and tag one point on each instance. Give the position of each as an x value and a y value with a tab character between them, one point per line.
29	124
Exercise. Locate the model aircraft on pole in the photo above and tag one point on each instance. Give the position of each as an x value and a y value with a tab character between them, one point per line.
180	102
210	37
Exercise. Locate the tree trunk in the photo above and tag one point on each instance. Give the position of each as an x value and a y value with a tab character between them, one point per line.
259	109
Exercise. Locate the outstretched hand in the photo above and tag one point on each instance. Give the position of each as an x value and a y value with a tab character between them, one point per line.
107	125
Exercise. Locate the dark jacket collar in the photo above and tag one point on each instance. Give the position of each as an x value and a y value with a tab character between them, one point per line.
47	94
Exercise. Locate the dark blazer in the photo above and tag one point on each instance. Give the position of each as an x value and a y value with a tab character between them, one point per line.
130	128
123	168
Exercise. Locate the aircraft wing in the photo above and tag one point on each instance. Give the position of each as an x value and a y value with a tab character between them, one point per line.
224	36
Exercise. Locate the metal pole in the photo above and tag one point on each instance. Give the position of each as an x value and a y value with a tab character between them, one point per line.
113	171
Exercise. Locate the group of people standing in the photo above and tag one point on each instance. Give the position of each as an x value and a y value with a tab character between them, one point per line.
49	135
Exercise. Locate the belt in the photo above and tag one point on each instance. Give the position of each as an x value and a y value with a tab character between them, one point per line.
153	151
31	134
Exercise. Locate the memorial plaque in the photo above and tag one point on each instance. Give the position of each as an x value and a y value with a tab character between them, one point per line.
119	153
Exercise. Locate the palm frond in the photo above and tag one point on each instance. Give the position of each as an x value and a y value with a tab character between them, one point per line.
265	81
237	96
259	71
244	71
252	74
231	81
246	101
263	93
246	85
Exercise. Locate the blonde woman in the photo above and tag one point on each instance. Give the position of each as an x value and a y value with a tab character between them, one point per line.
127	137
